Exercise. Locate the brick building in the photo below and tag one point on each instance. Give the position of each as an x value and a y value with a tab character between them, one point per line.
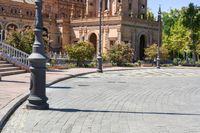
68	21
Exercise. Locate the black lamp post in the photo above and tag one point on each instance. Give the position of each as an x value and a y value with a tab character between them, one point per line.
99	56
37	98
159	38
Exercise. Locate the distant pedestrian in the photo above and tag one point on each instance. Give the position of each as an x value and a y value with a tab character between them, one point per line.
154	61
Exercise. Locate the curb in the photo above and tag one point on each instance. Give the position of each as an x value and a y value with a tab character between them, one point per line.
13	105
10	108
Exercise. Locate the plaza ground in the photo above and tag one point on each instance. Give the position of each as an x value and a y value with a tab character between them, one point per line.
131	101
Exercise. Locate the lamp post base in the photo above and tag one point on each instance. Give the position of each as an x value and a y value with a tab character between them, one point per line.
37	103
99	64
158	63
38	107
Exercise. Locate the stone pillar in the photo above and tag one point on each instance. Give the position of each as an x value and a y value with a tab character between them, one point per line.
133	43
60	34
65	34
87	8
119	35
103	5
85	33
72	12
115	7
107	43
81	34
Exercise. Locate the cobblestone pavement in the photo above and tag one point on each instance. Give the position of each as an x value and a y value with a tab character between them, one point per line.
12	87
133	101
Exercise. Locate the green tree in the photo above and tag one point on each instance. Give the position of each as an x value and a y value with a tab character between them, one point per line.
198	45
179	40
150	15
120	54
27	40
169	18
23	40
191	20
180	26
14	39
151	52
191	17
80	52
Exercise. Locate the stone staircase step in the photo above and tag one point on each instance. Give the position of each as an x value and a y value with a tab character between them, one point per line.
8	68
6	65
3	62
6	73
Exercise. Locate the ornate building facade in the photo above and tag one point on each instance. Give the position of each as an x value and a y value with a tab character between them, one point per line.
69	21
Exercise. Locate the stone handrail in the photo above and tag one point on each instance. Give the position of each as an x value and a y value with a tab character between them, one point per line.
13	55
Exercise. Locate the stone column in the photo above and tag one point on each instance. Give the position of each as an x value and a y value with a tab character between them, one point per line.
107	43
103	5
114	7
80	35
87	8
119	35
85	34
133	37
72	12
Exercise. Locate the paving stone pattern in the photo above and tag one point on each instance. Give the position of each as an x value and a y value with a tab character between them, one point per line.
134	101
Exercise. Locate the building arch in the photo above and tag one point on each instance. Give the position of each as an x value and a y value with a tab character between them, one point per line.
27	27
142	43
91	32
11	26
1	25
93	39
142	46
45	32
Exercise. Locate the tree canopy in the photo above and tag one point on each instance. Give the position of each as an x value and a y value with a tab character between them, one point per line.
180	28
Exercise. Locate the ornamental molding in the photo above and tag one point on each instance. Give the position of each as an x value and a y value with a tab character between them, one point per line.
25	1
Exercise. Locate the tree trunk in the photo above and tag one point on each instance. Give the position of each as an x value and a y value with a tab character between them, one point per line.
194	57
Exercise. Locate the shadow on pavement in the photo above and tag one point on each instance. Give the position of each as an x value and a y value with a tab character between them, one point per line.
59	87
11	81
81	77
53	70
125	112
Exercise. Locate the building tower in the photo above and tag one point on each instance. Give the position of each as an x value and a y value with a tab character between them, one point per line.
133	8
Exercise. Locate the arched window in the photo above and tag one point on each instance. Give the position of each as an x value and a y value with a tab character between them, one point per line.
11	27
106	4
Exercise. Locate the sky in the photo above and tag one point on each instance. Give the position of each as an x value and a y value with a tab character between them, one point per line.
166	5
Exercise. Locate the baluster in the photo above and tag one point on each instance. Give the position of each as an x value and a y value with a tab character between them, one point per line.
20	59
17	55
14	53
9	51
6	49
